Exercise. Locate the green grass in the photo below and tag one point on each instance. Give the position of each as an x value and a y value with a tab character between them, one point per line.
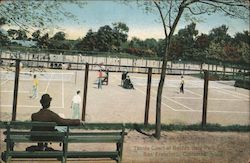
164	127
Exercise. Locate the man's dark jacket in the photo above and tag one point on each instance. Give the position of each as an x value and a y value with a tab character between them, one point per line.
46	115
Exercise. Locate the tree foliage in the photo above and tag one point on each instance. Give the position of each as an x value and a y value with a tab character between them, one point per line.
170	13
30	15
105	39
59	36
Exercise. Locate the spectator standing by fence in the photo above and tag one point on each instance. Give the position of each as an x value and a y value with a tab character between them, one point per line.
75	105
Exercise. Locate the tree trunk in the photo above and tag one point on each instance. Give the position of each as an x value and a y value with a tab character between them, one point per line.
159	97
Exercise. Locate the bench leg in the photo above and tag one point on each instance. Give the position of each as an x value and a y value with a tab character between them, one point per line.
118	159
63	160
8	159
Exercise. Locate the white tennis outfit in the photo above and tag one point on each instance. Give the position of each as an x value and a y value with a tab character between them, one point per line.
76	101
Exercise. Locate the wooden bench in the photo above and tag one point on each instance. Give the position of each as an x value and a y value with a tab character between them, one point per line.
19	132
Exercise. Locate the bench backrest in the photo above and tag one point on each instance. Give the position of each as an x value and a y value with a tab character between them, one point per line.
21	132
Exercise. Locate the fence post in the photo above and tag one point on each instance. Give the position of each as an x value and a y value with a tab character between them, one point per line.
77	61
159	66
205	95
148	96
133	64
244	78
184	66
15	90
201	67
84	101
92	62
233	72
224	71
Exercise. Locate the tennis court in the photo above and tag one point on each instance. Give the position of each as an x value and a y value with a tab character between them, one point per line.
226	104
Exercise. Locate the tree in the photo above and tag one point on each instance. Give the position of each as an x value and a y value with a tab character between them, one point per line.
120	33
30	15
2	21
3	37
220	35
242	42
90	41
242	37
21	35
244	52
59	36
43	42
104	38
186	39
12	33
202	41
170	13
36	35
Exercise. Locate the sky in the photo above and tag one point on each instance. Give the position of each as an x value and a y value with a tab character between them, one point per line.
141	24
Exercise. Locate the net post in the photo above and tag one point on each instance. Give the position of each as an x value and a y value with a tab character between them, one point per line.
205	95
15	90
85	92
148	96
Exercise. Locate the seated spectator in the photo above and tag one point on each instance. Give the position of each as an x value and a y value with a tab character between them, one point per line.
46	115
128	84
124	76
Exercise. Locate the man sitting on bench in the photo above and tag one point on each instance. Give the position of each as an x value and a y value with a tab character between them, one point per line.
46	115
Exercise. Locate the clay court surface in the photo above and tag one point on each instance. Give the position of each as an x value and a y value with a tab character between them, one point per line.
227	105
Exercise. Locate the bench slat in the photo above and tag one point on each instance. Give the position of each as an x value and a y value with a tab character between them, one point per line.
95	133
17	124
27	138
96	154
35	133
89	139
35	154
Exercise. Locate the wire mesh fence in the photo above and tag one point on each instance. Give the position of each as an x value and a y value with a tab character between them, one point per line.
113	103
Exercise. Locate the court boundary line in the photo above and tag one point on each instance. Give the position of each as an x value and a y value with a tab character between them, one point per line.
62	91
213	111
31	106
162	102
4	82
46	89
229	92
38	73
185	98
213	99
192	92
173	100
41	92
196	82
224	92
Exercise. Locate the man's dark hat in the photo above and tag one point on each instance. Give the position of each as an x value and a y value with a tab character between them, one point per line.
45	99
